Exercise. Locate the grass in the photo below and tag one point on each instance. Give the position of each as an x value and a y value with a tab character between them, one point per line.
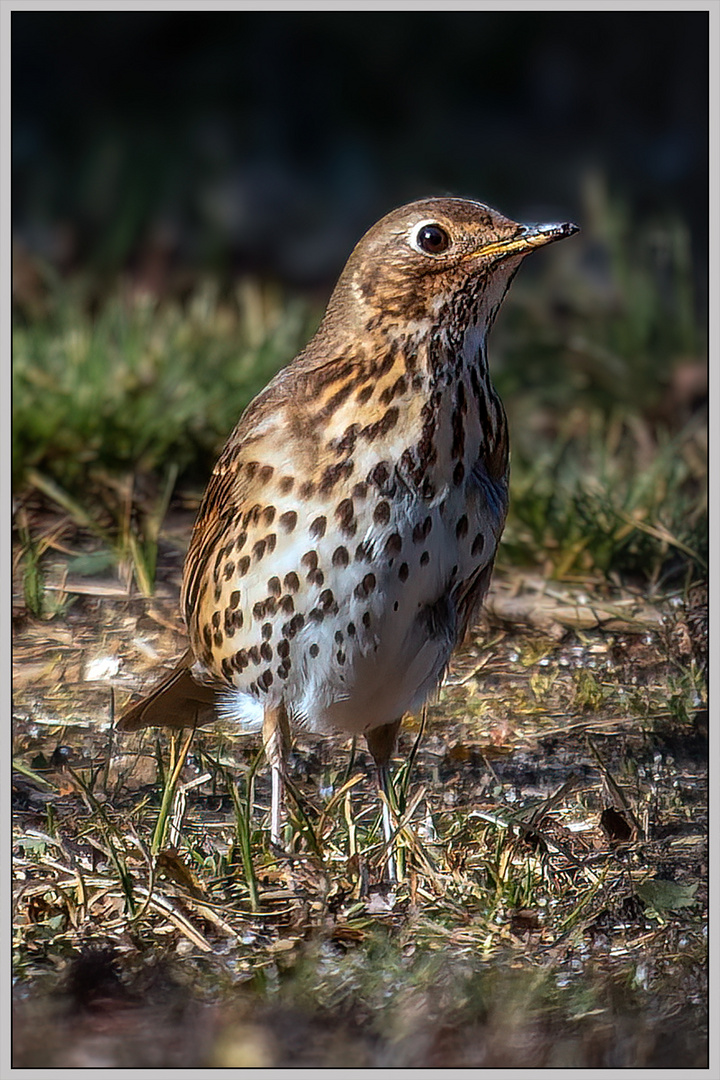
550	810
138	384
590	502
522	922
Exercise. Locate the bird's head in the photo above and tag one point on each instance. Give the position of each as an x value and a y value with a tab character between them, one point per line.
436	258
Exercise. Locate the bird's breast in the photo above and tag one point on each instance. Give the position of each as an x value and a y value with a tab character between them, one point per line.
333	585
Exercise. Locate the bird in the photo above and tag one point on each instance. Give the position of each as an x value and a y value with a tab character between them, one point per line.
346	538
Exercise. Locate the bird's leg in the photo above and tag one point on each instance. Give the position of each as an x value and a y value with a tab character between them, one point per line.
276	739
381	743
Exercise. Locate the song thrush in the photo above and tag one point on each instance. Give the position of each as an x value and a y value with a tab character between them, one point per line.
347	535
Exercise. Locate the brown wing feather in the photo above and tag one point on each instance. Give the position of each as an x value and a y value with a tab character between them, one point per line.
177	701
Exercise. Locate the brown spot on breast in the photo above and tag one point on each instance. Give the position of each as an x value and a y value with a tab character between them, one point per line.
291	582
340	557
240	660
290	629
462	527
333	404
310	560
360	490
266	651
398	387
286	484
268	516
316	615
383	366
258	550
345	513
346	444
365	587
265	474
274	586
283	649
496	458
254	654
317	529
458	474
243	566
259	610
379	474
266	631
252	515
382	426
315	577
478	544
332	474
307	490
326	598
363	552
364	395
381	514
234	599
422	530
393	545
425	558
314	650
240	541
287	605
288	521
403	572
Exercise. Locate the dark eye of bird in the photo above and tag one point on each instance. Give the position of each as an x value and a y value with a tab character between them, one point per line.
433	239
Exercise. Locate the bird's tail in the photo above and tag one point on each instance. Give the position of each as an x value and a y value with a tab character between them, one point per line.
177	701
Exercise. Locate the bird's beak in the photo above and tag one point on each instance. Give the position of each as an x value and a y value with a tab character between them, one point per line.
531	236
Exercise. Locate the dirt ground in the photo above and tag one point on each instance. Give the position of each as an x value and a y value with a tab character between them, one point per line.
553	909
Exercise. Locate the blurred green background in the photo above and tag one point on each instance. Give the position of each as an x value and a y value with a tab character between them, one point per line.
187	186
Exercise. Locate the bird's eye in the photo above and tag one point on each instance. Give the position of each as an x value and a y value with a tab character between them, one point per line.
432	239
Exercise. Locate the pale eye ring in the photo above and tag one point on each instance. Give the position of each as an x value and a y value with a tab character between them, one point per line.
430	238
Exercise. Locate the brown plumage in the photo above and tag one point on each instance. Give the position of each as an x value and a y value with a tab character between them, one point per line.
347	535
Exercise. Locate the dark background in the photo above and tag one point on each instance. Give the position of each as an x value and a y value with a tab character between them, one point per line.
268	141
